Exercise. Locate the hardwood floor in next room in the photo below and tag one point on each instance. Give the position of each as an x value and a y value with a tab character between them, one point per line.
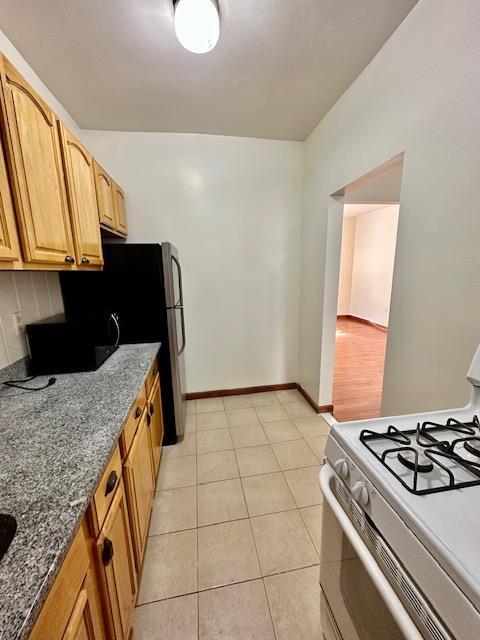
234	541
358	374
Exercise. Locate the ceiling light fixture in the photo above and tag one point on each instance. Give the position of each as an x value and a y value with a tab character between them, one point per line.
197	24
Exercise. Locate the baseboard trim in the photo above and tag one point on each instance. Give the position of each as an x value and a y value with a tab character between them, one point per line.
380	327
318	408
219	393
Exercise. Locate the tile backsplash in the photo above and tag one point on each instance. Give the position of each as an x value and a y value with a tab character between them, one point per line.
36	295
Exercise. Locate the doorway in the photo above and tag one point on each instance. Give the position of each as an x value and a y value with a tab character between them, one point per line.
361	243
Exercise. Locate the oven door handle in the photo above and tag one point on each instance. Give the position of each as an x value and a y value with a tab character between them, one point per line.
391	599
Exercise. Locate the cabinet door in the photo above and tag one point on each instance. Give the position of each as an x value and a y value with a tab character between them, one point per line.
114	547
36	171
9	247
80	178
104	188
156	426
139	479
83	623
121	224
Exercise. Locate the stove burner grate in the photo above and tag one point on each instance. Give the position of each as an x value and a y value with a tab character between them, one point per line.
435	453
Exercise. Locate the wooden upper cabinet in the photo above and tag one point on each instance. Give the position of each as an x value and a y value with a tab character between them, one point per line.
104	187
36	171
9	247
80	179
121	224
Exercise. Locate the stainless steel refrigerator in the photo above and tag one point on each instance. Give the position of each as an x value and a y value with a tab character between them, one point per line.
142	283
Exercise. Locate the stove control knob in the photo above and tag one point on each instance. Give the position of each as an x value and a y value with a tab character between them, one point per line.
360	493
341	467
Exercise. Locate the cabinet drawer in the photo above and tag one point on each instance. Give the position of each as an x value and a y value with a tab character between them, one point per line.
132	423
105	492
150	381
56	611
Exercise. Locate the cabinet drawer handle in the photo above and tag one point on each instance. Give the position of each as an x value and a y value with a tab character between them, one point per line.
69	259
152	408
149	420
111	482
155	371
107	551
138	412
85	260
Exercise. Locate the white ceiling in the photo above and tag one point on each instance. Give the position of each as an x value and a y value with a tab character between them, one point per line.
278	68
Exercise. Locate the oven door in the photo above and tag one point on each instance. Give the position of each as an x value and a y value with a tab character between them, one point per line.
357	601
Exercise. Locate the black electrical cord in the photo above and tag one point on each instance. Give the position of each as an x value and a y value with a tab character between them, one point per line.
19	384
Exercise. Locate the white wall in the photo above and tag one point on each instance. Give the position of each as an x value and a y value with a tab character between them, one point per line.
421	95
373	263
232	206
346	266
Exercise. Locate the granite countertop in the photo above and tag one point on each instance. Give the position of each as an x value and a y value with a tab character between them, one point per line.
54	447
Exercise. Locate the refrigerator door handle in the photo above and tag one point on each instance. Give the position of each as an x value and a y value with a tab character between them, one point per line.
184	340
180	282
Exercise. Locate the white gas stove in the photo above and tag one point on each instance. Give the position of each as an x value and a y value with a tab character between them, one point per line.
410	486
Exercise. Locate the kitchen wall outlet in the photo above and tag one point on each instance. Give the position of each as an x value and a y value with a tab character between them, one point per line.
18	323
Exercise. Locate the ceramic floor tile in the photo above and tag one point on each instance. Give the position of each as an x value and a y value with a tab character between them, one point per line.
177	472
174	619
283	542
226	554
267	493
236	612
218	465
294	454
304	486
312	517
299	409
212	420
186	447
312	426
317	444
294	602
273	413
255	460
170	566
238	417
268	398
191	407
173	510
214	440
206	405
288	395
190	423
281	431
237	402
248	435
220	502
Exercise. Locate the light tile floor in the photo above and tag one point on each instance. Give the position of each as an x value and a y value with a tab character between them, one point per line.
235	532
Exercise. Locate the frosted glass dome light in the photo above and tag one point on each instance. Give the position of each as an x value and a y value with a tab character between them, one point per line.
197	24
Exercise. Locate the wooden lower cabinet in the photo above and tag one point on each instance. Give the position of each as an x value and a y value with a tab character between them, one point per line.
156	426
95	592
140	483
117	566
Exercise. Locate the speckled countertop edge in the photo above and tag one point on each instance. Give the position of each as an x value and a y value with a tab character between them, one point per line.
54	447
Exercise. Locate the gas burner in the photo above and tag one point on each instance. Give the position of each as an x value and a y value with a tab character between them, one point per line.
437	458
425	466
472	445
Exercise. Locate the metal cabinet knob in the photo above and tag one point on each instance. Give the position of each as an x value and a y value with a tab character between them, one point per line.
341	467
360	493
85	260
69	259
138	412
111	482
107	551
